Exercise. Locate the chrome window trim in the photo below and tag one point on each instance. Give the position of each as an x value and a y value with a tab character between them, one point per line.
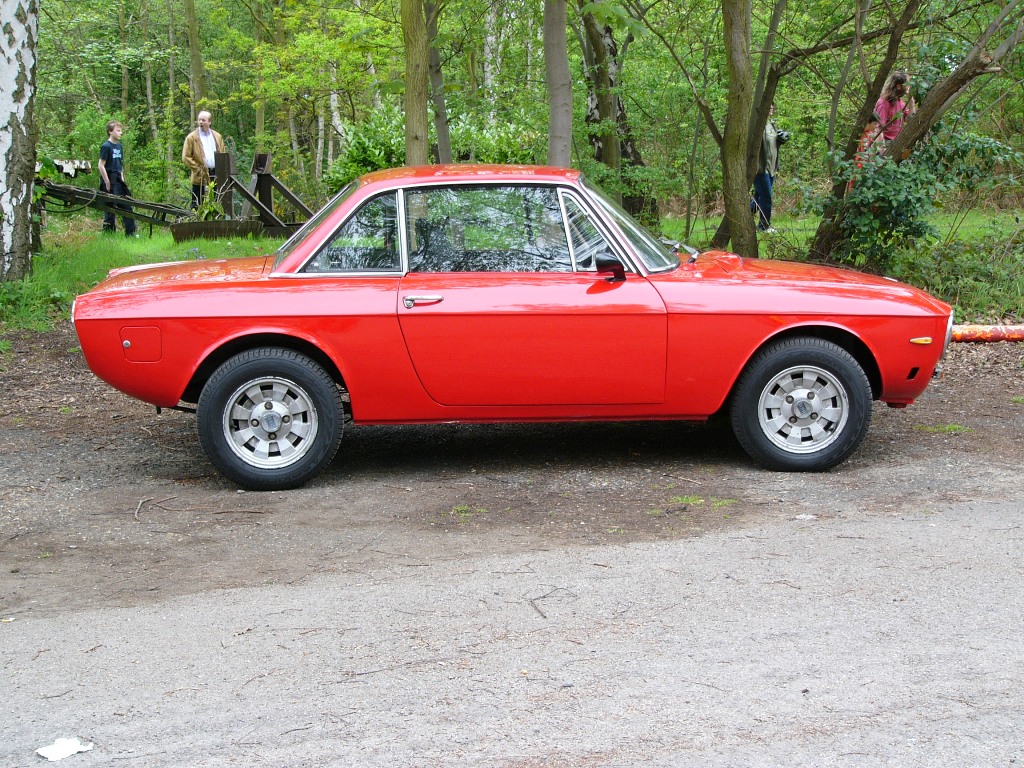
623	242
608	228
344	193
602	226
315	253
556	186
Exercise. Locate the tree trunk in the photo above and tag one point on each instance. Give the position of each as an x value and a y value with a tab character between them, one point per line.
371	70
321	126
337	124
602	114
559	82
829	237
17	136
444	138
491	45
735	184
978	62
122	23
414	33
172	148
197	73
154	129
856	52
293	134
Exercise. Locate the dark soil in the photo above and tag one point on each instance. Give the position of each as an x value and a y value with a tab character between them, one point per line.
104	502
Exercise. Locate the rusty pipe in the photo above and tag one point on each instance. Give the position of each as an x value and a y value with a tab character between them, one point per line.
976	334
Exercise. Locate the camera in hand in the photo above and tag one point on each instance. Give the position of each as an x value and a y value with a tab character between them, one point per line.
782	137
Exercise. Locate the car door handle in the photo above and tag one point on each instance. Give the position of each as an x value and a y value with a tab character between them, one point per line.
412	301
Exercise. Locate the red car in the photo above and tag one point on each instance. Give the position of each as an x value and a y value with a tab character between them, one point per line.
503	294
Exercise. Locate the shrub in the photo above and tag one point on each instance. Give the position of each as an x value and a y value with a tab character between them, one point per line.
886	208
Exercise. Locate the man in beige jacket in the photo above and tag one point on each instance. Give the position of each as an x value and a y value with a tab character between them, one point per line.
198	154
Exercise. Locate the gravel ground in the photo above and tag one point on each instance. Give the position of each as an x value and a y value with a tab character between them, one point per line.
592	595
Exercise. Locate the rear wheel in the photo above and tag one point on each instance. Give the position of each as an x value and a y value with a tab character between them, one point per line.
801	405
270	419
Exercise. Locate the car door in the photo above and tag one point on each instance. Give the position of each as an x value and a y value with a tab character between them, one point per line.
498	309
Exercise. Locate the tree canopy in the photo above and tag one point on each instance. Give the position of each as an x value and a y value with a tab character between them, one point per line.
666	99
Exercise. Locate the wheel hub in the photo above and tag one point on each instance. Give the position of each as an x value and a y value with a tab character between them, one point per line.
800	408
271	421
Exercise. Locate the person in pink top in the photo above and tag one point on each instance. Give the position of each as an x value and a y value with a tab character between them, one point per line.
894	105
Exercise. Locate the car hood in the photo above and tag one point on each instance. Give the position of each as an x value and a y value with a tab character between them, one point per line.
179	272
753	269
724	279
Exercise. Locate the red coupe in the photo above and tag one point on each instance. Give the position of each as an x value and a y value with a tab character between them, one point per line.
503	294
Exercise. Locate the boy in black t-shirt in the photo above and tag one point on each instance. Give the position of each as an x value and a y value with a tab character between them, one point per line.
112	178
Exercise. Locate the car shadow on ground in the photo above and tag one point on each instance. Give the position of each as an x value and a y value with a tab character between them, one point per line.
520	447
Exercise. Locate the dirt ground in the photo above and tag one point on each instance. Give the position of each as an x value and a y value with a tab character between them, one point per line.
105	503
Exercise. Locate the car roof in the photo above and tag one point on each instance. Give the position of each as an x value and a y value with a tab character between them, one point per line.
427	174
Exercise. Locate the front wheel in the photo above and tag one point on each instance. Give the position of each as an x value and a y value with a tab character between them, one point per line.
270	419
801	405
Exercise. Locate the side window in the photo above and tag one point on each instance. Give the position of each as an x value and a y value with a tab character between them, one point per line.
587	240
367	242
486	229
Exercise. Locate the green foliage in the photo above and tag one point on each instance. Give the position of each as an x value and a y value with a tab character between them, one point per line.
378	142
373	144
511	140
888	205
209	209
982	277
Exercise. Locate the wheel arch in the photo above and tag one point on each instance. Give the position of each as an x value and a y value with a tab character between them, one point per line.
232	347
842	338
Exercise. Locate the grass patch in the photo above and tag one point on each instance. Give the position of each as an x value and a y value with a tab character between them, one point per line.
693	500
76	256
1019	400
943	429
464	513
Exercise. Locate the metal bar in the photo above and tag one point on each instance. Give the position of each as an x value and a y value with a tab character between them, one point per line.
978	334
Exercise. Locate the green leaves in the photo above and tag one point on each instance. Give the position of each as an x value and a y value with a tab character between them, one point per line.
886	208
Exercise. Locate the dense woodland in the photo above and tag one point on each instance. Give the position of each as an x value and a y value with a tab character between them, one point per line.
662	101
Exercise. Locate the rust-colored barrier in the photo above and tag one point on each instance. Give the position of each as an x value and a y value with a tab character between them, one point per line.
985	333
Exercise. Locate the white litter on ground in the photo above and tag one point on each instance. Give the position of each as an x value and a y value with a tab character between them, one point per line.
62	748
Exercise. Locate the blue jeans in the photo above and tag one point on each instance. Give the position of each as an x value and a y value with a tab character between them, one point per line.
762	203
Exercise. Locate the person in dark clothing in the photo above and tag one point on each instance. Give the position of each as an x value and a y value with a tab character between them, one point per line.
112	178
767	170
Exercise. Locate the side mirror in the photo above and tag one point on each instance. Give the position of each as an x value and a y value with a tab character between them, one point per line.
609	265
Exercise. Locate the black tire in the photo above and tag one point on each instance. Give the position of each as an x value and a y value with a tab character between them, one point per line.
270	419
801	405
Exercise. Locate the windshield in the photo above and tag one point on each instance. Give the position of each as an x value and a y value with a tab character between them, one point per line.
655	256
285	250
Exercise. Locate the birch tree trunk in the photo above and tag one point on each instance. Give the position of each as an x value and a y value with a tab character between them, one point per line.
337	127
491	45
17	135
602	72
321	126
